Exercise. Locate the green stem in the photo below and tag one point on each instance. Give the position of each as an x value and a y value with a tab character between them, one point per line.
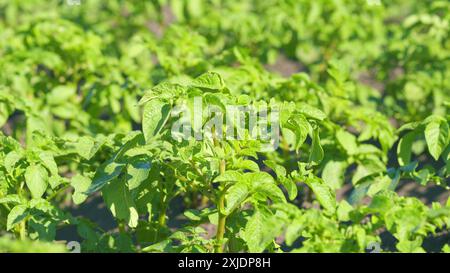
55	193
222	223
162	217
222	217
161	220
23	224
222	166
23	230
122	226
220	202
285	146
19	191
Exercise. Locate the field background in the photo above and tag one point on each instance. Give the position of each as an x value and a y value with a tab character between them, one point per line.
376	75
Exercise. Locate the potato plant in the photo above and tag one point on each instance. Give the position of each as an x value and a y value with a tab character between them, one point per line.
225	126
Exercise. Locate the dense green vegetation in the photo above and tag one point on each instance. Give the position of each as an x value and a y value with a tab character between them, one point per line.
88	95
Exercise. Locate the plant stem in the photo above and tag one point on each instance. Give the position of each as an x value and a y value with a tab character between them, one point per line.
222	217
162	217
222	223
164	200
161	220
22	231
23	224
220	202
121	226
222	166
54	194
204	201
